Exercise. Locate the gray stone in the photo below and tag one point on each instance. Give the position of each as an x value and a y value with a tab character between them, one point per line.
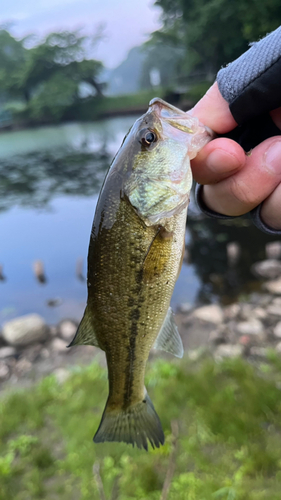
23	366
212	314
260	299
270	268
251	327
273	309
59	346
259	313
233	252
278	347
232	311
218	336
4	371
228	351
259	352
25	330
61	375
273	286
7	352
273	250
246	312
185	308
67	329
277	330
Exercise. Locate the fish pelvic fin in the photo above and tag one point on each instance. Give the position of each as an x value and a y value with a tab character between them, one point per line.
85	334
136	425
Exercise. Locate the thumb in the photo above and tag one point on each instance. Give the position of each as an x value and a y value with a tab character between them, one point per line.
213	111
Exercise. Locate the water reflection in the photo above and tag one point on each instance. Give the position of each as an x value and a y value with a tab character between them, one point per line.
48	194
223	275
33	179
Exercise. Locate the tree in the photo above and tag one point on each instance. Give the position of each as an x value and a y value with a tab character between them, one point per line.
214	32
48	76
13	58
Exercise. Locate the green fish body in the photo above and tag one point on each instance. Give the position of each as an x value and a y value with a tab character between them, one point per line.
135	255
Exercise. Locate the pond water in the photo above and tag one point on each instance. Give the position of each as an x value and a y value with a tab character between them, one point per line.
50	178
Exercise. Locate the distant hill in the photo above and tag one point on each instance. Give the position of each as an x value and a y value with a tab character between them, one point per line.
125	78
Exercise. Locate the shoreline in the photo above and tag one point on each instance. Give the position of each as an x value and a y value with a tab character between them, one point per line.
249	329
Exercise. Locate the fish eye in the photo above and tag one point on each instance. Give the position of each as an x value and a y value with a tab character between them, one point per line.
148	137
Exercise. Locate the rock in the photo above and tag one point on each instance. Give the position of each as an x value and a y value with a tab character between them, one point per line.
228	351
273	286
67	329
185	308
212	314
259	313
25	330
59	345
233	252
23	366
259	352
61	375
218	336
270	268
230	312
277	330
273	250
278	347
246	312
53	331
260	299
251	327
4	371
273	309
44	354
196	354
7	352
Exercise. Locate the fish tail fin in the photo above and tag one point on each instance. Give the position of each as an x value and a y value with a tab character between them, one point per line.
136	424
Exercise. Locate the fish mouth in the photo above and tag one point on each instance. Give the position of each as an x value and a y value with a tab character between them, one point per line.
177	118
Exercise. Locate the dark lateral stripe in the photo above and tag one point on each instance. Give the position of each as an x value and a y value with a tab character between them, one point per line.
134	317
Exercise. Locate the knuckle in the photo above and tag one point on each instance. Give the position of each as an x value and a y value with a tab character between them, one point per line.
243	192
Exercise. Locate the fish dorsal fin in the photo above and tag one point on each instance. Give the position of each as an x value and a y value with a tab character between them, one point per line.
169	338
85	334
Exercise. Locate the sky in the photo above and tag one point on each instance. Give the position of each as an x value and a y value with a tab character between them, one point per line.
126	23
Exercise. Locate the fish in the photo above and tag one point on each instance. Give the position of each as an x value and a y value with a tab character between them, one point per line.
135	256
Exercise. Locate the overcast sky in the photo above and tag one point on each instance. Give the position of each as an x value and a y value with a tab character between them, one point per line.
127	22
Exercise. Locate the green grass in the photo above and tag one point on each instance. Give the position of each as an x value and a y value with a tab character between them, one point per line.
229	445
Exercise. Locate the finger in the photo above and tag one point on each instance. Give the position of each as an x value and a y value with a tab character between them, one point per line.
213	111
271	209
244	190
276	117
219	159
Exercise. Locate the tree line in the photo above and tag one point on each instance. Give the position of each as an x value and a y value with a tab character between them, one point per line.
45	81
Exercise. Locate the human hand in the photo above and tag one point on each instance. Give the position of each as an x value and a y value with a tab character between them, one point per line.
235	182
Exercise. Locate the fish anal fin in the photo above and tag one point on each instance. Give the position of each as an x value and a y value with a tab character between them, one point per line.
85	334
137	425
169	338
158	254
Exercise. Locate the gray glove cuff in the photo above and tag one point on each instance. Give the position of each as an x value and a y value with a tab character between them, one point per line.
254	214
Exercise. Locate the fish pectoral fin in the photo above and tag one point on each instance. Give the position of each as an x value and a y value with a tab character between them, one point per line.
85	334
169	338
158	253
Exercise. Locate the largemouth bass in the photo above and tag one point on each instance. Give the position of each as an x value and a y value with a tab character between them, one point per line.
135	255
